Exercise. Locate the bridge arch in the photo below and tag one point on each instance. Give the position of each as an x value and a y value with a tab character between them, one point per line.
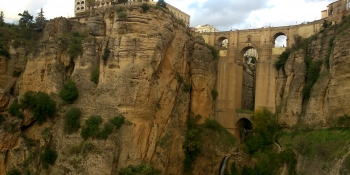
222	42
281	37
244	129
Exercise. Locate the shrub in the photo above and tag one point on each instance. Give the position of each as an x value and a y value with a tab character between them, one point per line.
49	156
214	94
282	59
313	72
343	121
213	125
83	148
105	55
69	92
193	142
265	127
288	156
145	7
105	132
139	169
72	120
75	47
214	51
16	73
234	170
122	15
118	121
14	109
91	127
187	87
162	142
95	75
40	104
14	172
179	78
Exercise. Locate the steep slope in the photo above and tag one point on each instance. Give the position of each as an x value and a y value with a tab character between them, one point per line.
155	74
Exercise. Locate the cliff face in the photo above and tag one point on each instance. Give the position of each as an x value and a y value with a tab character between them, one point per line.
151	59
328	96
323	58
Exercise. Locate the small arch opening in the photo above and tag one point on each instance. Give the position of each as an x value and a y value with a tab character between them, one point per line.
82	2
78	8
78	3
82	8
222	42
244	129
280	40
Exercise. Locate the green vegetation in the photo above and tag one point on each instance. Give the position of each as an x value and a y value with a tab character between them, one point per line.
214	51
265	127
282	59
288	157
163	141
14	172
69	92
91	127
95	75
16	73
14	109
233	169
326	144
242	111
105	132
145	7
46	133
179	78
225	135
41	104
214	94
313	72
187	87
117	121
105	55
193	142
72	120
122	15
75	47
141	169
83	148
26	34
48	157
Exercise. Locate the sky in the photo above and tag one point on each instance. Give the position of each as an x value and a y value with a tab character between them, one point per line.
222	14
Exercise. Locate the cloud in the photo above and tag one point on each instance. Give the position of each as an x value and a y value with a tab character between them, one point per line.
224	13
13	7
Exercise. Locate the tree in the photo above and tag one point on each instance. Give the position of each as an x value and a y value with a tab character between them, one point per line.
69	92
26	19
40	21
161	3
2	18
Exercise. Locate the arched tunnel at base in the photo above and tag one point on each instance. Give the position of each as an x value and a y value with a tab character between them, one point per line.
244	129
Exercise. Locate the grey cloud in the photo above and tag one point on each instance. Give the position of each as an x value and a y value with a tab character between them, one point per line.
224	14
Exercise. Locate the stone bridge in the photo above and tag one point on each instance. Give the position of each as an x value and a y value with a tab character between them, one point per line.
230	67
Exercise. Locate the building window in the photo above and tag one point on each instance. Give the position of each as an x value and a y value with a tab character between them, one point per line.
82	8
78	8
82	2
348	5
78	3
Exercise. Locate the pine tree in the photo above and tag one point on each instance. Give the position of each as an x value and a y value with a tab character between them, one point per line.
26	19
2	18
40	21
